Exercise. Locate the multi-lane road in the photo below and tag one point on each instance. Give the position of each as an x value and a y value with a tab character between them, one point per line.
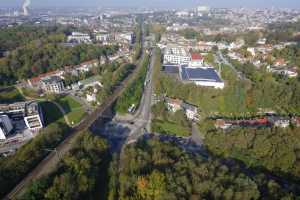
124	130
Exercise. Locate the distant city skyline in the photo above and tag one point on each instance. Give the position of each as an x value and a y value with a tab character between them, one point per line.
157	3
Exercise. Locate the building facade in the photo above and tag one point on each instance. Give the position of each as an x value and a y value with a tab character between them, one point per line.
5	126
176	55
52	84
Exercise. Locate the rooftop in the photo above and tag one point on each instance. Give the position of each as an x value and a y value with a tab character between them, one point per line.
196	56
51	80
32	108
199	74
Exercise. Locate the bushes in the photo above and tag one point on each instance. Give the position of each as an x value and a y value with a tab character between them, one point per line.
15	168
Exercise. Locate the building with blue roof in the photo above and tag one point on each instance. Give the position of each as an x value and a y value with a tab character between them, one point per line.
202	76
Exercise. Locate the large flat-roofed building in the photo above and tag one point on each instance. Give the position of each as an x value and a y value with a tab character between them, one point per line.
30	111
5	126
202	76
52	84
78	37
33	116
176	55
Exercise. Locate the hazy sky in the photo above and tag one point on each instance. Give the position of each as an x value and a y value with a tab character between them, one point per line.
159	3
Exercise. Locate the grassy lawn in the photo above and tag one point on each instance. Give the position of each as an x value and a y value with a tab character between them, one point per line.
10	95
165	127
75	112
51	113
30	93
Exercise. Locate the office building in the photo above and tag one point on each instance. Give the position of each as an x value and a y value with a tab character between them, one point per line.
5	126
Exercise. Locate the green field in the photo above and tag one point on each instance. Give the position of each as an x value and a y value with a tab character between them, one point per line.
169	128
75	112
10	95
51	113
28	92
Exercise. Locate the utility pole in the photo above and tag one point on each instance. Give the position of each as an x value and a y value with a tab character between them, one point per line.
56	153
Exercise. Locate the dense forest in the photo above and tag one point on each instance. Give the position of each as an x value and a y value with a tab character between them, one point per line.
160	170
276	150
15	168
82	173
47	54
14	37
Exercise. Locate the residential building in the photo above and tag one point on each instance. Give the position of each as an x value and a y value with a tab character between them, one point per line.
176	55
33	116
196	60
126	37
103	37
222	124
52	84
202	76
281	122
5	126
36	81
191	111
78	37
173	105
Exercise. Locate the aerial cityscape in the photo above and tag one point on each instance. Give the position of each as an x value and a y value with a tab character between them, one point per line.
149	100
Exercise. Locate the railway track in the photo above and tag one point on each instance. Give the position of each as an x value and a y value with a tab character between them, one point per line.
49	163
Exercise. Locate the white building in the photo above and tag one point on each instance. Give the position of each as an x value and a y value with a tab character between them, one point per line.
52	84
5	126
33	116
191	111
103	37
176	55
126	37
79	37
91	97
175	105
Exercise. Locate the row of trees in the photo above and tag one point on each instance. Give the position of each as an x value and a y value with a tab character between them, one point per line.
15	168
133	93
82	173
112	76
160	170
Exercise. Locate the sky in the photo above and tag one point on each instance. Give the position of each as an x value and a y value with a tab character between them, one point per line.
158	3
